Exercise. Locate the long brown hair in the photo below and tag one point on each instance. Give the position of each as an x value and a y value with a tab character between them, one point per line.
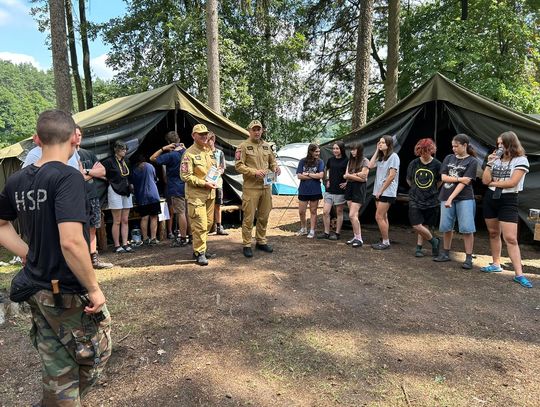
464	139
355	163
383	155
310	159
512	144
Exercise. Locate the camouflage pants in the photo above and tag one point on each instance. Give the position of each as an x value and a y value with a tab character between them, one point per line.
73	348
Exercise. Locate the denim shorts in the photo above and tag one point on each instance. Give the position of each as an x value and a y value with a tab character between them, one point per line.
463	211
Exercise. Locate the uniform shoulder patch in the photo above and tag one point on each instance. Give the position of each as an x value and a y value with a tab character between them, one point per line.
238	154
184	167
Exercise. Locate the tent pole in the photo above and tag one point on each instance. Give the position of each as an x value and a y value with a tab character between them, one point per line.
175	117
435	129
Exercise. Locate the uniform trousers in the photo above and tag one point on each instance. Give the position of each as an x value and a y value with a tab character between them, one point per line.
201	216
257	201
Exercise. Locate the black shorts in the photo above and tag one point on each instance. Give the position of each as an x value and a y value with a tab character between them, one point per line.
356	192
387	199
307	198
424	216
219	196
94	215
505	209
150	209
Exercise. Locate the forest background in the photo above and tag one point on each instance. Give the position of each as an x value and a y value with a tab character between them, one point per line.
295	64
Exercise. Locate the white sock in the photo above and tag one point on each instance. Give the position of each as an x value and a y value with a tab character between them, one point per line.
386	241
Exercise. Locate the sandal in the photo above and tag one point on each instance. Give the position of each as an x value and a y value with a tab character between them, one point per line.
522	281
491	268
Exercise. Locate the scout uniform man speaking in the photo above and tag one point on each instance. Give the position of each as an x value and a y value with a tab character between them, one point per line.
200	193
254	160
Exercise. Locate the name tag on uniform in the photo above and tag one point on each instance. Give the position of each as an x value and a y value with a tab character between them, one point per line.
265	147
250	147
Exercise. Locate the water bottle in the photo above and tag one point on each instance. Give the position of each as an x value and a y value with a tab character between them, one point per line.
136	237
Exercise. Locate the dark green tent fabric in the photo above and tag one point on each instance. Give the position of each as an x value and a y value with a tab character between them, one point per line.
440	109
141	120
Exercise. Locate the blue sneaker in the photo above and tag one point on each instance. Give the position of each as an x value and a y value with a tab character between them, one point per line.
492	268
522	280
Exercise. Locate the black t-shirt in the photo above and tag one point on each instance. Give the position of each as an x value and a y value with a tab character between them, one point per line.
88	159
336	169
424	178
41	198
117	173
458	167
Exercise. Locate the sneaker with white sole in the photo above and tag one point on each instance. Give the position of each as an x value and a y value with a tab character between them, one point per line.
311	234
301	232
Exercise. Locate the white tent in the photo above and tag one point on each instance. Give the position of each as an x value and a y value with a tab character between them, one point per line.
287	158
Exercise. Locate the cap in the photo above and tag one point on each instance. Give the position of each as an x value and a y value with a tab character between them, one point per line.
255	123
200	128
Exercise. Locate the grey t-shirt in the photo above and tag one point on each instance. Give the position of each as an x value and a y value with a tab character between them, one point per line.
383	168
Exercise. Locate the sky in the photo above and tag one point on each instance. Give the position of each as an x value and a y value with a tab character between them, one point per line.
21	41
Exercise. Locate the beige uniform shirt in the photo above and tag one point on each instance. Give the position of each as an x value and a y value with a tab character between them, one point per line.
195	165
252	156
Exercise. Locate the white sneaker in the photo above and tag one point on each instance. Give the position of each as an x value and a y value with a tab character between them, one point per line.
311	234
301	232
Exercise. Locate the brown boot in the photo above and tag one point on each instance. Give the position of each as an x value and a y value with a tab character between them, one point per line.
97	264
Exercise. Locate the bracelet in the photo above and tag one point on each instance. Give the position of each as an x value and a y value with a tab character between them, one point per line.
162	150
489	165
457	179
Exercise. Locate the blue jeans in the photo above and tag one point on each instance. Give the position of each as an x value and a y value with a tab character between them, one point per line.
463	211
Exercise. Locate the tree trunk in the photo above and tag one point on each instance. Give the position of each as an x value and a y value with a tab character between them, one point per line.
88	89
391	83
363	60
73	55
212	39
62	81
464	9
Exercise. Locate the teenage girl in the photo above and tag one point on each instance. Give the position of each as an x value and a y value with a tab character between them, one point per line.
355	191
310	172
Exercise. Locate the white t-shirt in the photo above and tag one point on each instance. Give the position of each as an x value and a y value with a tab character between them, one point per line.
383	167
35	154
503	170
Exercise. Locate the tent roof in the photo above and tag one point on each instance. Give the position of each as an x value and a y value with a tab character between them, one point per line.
440	88
121	111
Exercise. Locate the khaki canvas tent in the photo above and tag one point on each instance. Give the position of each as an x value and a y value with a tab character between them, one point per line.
141	120
440	109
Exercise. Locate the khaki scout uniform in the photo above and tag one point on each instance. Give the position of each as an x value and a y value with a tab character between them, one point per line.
256	197
196	163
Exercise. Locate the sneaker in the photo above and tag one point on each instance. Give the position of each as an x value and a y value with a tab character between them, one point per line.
301	232
441	258
311	234
357	243
323	235
119	249
435	247
146	241
221	231
334	236
99	265
171	236
128	248
153	242
179	242
491	268
247	251
418	253
467	265
265	247
380	246
522	281
350	241
201	259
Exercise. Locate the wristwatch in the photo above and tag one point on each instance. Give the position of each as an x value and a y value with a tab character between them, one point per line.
87	171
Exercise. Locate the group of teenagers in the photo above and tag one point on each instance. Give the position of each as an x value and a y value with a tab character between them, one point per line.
440	193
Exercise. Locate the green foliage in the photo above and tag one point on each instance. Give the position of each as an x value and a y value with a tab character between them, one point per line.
25	91
494	52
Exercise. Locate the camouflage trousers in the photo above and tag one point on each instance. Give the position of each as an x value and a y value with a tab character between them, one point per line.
72	346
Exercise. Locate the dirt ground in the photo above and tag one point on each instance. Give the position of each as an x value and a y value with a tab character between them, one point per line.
316	323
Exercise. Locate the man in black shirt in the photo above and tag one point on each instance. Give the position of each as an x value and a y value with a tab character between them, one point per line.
91	168
71	330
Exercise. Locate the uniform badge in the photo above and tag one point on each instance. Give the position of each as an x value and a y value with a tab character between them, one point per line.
238	154
184	167
197	157
265	147
250	147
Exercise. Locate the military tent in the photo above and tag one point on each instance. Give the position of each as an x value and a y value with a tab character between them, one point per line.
141	120
441	108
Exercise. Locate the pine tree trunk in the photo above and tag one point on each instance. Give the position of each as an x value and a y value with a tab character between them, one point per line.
88	89
73	56
363	62
62	81
392	60
212	38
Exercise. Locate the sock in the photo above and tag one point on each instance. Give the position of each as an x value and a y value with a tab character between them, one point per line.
433	240
468	258
218	225
311	231
386	241
418	247
358	237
